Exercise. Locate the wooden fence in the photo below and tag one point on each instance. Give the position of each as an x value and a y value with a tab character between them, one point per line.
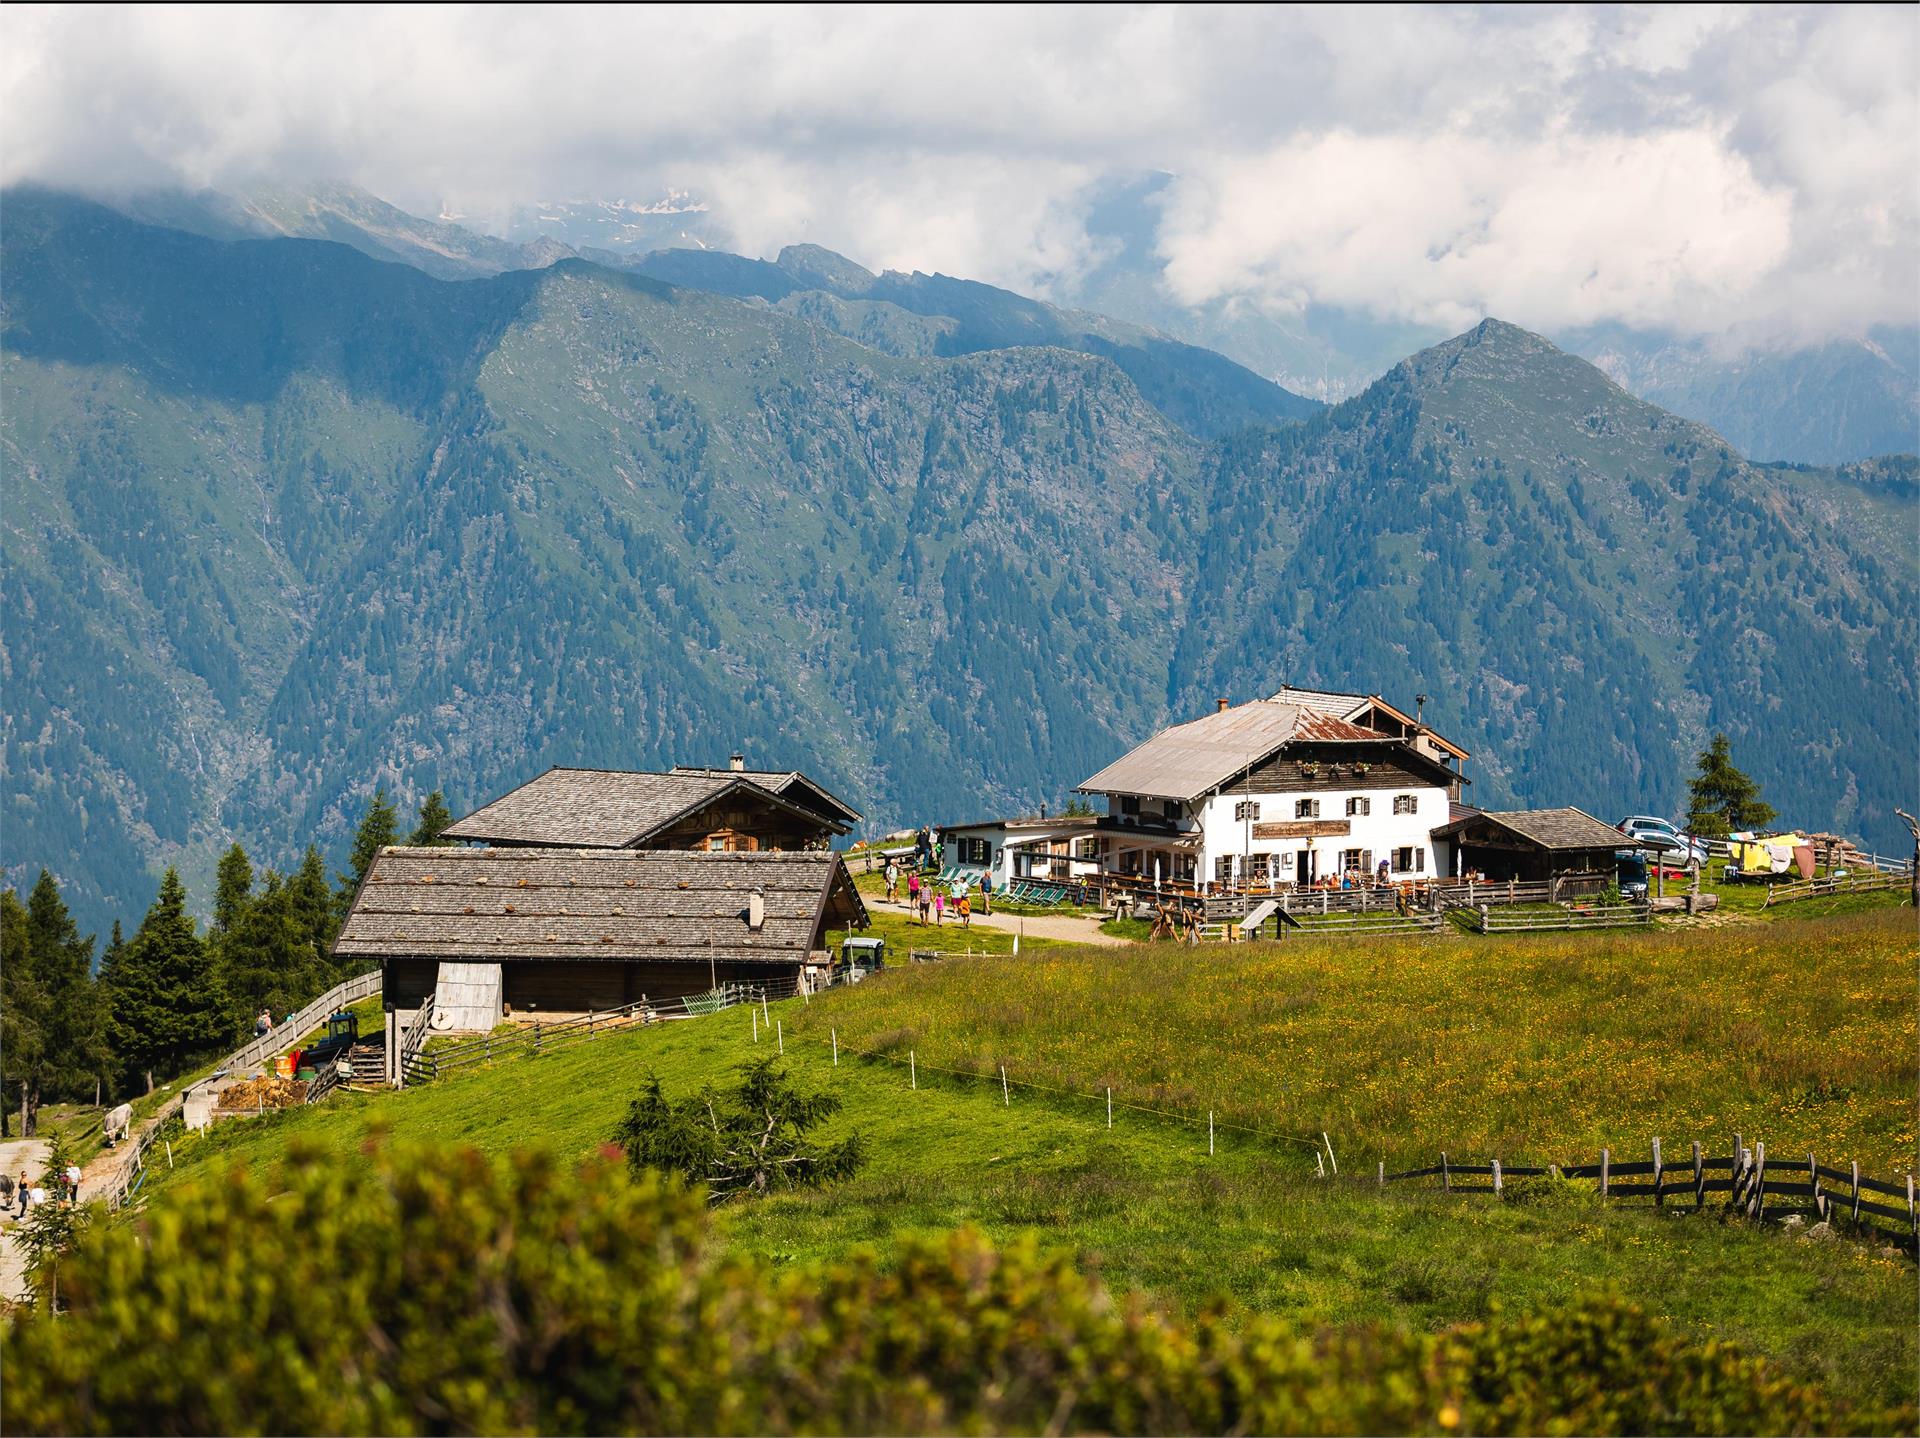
1600	916
1753	1190
1876	882
537	1038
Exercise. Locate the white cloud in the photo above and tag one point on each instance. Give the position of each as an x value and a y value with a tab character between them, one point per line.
1714	170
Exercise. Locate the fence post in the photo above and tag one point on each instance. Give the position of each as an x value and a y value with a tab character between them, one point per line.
780	1036
1330	1158
1483	918
1383	1173
1005	1101
1606	1168
1496	1176
1699	1177
1758	1210
754	1014
913	1071
1109	1107
1913	1214
1659	1199
1813	1182
1446	1174
589	1020
836	1047
1210	1155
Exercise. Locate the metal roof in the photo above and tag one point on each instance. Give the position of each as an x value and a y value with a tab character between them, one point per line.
1190	759
596	904
1565	828
609	808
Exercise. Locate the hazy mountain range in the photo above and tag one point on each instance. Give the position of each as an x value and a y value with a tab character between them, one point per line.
284	521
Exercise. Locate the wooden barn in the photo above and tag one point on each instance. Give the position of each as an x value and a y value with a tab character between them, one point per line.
727	810
494	932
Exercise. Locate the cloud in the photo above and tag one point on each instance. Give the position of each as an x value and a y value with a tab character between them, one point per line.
1713	170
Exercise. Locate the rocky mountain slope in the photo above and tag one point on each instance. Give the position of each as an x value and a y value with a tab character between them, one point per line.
283	522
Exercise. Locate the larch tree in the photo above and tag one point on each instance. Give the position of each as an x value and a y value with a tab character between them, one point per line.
1720	799
434	819
167	1004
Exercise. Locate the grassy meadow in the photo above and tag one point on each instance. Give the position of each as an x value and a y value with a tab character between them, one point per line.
1525	1047
1145	1204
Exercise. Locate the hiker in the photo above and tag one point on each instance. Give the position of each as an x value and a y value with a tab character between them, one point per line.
986	894
25	1191
73	1183
263	1025
925	904
893	881
913	890
939	907
965	910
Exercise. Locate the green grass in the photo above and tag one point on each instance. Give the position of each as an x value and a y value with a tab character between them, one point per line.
1522	1046
1148	1207
903	933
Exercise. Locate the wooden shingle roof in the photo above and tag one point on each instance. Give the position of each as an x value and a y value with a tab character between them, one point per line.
1190	759
1565	828
791	785
611	808
586	904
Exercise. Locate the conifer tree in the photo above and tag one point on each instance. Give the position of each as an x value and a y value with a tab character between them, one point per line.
268	960
22	1007
232	888
312	902
1720	799
434	819
167	1006
379	827
55	972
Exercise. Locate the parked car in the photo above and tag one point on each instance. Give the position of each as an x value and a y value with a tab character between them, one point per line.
1674	845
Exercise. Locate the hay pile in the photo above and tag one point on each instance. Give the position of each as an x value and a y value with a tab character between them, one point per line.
267	1091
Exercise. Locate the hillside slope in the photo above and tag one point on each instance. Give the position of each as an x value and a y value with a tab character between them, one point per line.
284	522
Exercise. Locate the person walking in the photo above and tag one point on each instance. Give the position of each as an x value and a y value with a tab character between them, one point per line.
986	893
939	907
965	910
24	1192
73	1183
913	890
893	881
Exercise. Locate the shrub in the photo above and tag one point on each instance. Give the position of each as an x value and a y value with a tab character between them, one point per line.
751	1141
435	1290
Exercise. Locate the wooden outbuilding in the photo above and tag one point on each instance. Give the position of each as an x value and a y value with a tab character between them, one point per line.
1532	845
495	932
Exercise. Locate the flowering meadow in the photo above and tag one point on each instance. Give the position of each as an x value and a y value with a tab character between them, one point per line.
1528	1048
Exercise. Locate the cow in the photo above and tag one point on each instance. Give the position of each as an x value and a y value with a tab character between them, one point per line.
119	1120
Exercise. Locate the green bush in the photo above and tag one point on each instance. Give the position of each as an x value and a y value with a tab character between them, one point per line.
434	1290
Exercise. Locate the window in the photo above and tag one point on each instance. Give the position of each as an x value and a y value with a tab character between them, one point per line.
1086	848
1406	803
1223	869
1353	859
1129	803
975	851
1247	809
1306	809
1286	859
1256	868
1359	807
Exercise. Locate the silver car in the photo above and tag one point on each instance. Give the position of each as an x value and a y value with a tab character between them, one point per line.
1673	844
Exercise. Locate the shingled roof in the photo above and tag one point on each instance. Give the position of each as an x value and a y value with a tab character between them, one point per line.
610	808
789	785
1566	828
1190	759
586	904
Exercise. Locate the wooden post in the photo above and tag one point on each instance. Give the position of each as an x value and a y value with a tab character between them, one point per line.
1659	1199
755	1015
169	1145
1856	1192
1483	918
1758	1209
1496	1177
589	1020
1699	1178
1383	1173
1446	1174
1330	1158
913	1071
1913	1214
1210	1155
1606	1167
836	1047
1109	1108
1813	1181
780	1036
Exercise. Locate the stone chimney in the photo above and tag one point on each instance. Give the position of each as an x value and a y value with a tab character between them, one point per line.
1220	706
737	762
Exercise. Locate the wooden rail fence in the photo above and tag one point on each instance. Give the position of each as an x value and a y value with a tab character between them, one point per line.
1600	916
1822	888
1753	1191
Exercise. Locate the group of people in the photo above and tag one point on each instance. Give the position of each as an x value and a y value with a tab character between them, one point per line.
930	900
27	1194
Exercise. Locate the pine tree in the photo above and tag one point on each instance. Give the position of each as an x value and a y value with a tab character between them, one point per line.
434	819
22	1006
312	902
56	969
378	828
269	960
232	889
1720	799
167	1006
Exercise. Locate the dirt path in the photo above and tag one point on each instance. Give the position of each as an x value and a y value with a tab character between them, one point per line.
1065	928
30	1154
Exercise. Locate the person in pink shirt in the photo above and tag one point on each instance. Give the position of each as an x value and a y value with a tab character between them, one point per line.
939	907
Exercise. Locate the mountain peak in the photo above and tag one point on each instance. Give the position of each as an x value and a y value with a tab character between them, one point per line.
817	267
